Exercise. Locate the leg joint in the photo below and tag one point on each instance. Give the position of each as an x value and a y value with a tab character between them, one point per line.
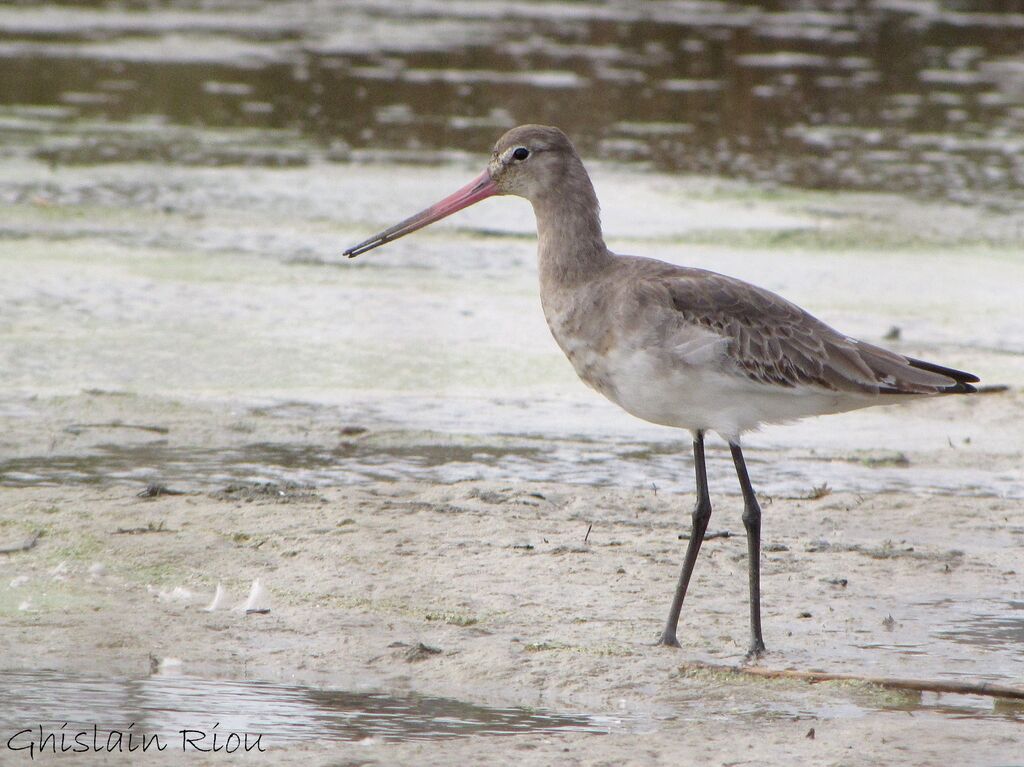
702	511
752	515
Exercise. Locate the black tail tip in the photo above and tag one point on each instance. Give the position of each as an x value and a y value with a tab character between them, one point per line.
962	378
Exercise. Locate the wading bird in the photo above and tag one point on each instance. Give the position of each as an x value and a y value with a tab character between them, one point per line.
677	346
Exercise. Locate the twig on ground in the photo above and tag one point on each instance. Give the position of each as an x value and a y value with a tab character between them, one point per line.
150	528
155	490
78	428
707	536
25	545
890	683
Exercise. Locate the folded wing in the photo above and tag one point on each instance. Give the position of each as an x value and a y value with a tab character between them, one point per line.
772	341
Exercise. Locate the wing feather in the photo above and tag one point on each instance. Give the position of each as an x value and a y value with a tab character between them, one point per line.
772	341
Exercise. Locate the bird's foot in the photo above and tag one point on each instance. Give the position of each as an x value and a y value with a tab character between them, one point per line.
755	652
668	639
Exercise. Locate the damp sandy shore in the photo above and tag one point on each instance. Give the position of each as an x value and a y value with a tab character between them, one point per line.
396	448
524	608
435	470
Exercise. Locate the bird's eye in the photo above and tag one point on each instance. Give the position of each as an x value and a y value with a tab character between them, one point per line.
521	153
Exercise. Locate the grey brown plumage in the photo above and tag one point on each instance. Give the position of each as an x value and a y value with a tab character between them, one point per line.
678	346
775	342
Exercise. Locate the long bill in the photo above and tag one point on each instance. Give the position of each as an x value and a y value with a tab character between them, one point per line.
478	189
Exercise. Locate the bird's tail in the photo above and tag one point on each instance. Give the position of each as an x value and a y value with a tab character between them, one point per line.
961	381
898	374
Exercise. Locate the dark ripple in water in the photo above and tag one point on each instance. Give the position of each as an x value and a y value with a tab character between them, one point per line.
164	705
624	464
851	95
986	623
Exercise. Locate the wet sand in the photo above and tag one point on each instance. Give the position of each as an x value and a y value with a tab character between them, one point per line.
395	447
448	468
525	608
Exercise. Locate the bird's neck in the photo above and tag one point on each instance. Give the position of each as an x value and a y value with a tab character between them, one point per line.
570	245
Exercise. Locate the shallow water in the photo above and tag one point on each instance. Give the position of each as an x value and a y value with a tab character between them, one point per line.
46	710
991	625
881	96
978	639
164	706
179	182
446	458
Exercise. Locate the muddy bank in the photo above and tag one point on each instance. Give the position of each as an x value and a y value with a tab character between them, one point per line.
496	595
454	540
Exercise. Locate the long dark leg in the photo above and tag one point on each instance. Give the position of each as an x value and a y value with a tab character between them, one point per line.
701	515
752	522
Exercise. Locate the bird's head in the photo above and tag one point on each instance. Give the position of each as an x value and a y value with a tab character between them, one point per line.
530	161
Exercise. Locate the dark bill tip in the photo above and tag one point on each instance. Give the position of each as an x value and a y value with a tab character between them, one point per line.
478	189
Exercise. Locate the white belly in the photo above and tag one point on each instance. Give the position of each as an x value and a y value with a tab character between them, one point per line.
675	375
663	389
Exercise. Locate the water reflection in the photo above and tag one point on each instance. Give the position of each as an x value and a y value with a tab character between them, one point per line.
449	458
856	95
977	638
988	624
165	705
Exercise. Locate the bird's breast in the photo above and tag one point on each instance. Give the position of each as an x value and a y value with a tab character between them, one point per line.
636	379
586	336
673	384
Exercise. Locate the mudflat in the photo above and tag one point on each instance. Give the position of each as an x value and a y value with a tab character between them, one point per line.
543	595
